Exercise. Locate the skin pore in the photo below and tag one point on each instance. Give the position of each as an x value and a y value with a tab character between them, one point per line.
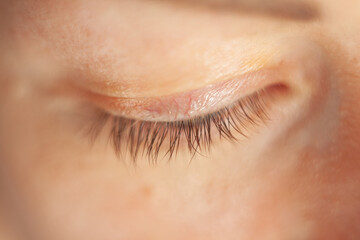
297	176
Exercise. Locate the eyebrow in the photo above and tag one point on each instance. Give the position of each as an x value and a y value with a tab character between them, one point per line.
288	9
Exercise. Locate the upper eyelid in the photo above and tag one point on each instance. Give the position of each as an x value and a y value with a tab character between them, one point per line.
186	105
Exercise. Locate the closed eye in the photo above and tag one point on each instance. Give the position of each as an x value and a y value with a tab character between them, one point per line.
156	139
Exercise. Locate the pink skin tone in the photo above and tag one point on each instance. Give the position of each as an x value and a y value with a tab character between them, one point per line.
296	177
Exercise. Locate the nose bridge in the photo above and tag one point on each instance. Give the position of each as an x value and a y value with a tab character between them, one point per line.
343	57
348	83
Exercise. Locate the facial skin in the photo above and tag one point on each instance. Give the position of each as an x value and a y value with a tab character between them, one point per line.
295	177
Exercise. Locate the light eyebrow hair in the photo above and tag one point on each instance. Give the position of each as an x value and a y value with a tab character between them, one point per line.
300	10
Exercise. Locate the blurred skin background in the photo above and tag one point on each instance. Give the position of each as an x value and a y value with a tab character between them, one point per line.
295	176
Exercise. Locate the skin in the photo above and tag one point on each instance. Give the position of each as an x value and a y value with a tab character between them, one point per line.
296	177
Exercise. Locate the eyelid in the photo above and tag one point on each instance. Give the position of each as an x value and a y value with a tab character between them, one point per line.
253	94
196	134
187	105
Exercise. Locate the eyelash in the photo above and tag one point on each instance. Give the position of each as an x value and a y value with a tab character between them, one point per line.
145	137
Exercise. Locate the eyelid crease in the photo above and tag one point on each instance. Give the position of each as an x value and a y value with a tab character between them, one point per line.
147	138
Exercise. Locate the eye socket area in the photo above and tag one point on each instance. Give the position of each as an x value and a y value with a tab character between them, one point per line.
149	122
162	125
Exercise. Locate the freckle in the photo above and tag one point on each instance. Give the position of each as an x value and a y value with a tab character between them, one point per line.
146	191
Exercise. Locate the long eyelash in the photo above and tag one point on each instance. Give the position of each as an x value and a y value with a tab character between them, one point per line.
145	137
